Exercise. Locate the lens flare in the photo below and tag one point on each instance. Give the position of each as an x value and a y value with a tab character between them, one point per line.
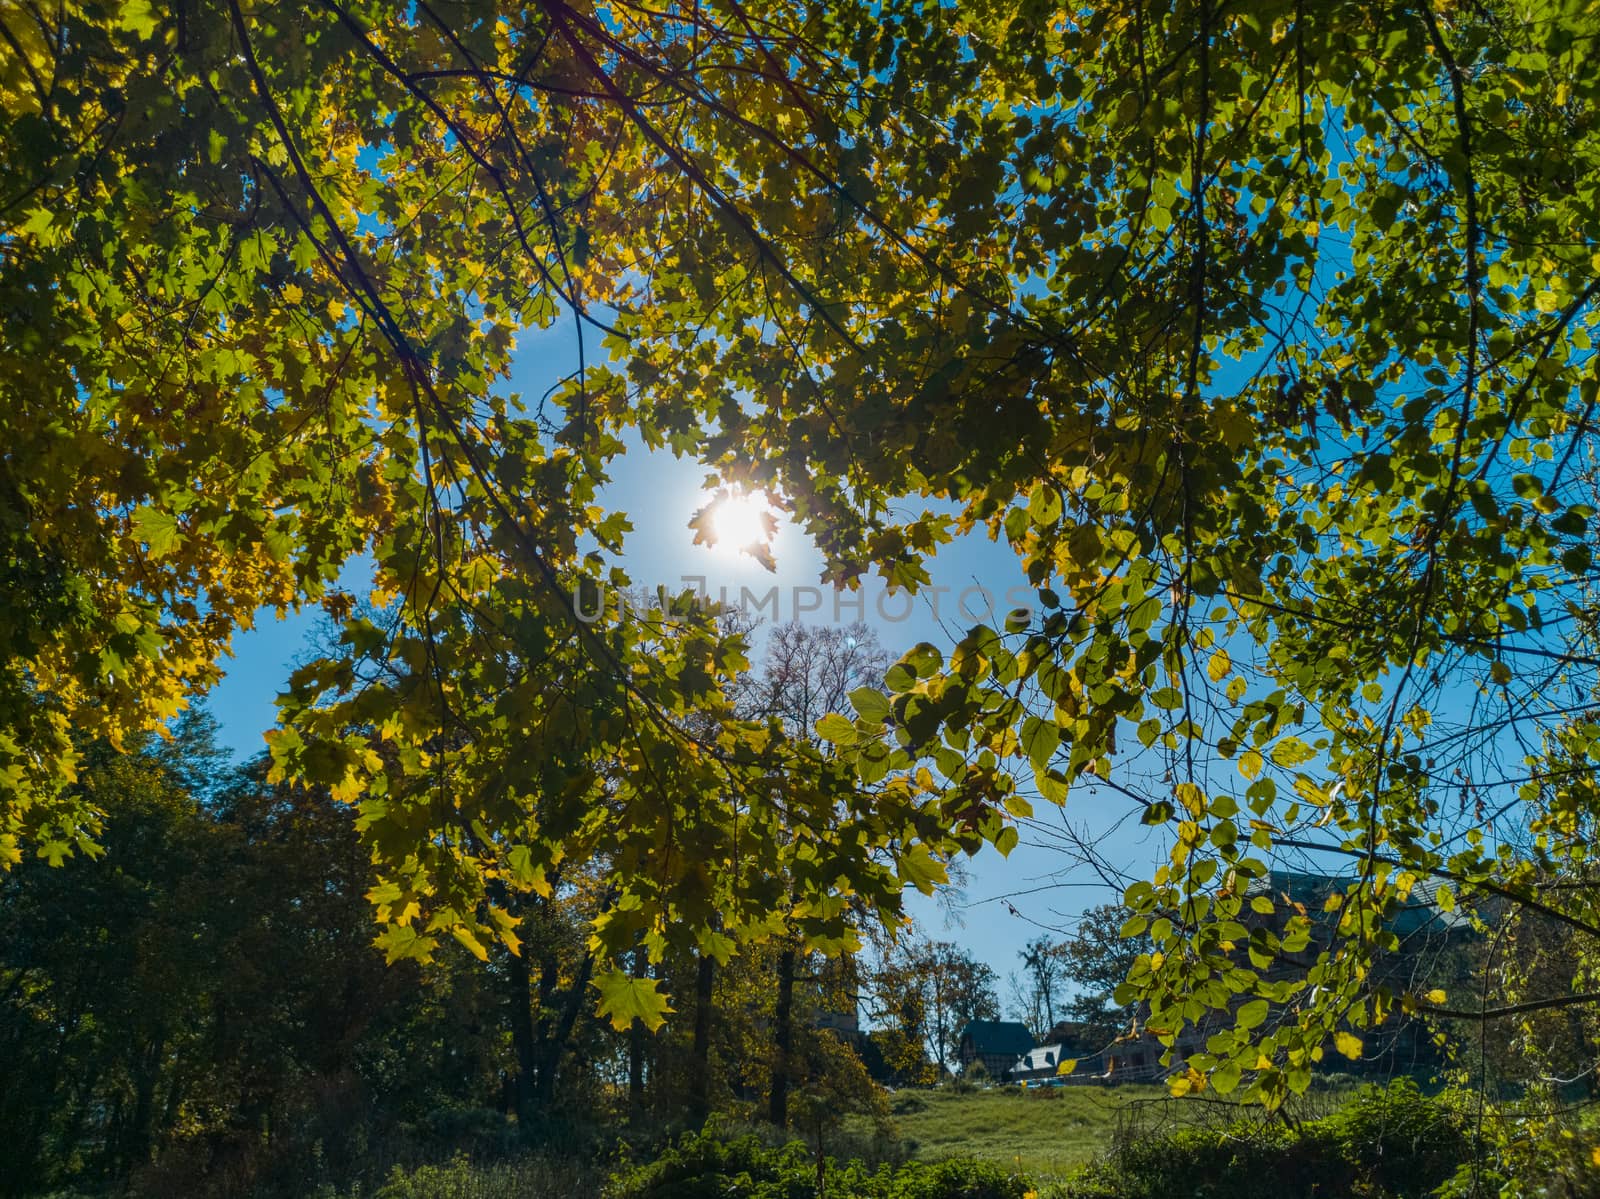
739	522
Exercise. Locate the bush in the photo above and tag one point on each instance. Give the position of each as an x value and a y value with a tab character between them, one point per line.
1407	1143
1393	1143
705	1167
1241	1161
957	1178
530	1178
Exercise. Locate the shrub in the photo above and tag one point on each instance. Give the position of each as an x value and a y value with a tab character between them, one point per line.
530	1178
1406	1142
1393	1143
1241	1161
704	1167
957	1178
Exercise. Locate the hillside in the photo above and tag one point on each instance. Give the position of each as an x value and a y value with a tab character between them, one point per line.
1041	1132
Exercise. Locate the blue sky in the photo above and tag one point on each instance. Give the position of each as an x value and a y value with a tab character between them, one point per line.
1005	902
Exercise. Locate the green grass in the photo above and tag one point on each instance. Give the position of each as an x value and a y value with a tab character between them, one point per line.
1043	1133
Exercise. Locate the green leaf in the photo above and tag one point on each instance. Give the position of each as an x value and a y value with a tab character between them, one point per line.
922	870
1040	739
400	942
871	703
1044	505
1252	1014
924	659
158	529
836	728
1291	751
469	939
138	17
624	999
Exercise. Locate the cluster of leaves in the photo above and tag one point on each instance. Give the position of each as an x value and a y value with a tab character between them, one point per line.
1262	337
1289	401
262	270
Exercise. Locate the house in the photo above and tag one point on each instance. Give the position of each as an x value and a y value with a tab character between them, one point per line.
1431	942
1426	932
1039	1063
846	1023
996	1043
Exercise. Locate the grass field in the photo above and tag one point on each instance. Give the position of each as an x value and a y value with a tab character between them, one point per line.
1044	1133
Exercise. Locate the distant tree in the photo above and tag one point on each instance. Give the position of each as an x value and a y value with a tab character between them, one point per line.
1024	1004
927	991
1043	974
807	673
957	989
205	998
975	995
1095	961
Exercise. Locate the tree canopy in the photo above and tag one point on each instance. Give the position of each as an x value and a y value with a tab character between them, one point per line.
1262	336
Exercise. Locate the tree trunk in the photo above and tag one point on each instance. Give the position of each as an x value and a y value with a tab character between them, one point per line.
554	1042
782	1040
700	1068
636	1040
522	1038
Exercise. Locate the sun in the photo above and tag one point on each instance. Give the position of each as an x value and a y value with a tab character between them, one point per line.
740	521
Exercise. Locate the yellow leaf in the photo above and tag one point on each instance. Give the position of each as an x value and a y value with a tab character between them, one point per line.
1347	1044
1435	996
1192	798
1217	669
292	293
624	999
1545	301
474	946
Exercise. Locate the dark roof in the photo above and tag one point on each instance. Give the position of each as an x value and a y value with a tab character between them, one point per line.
1010	1037
1419	913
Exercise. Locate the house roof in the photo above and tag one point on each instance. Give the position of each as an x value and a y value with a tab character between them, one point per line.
1042	1057
1009	1037
1421	910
